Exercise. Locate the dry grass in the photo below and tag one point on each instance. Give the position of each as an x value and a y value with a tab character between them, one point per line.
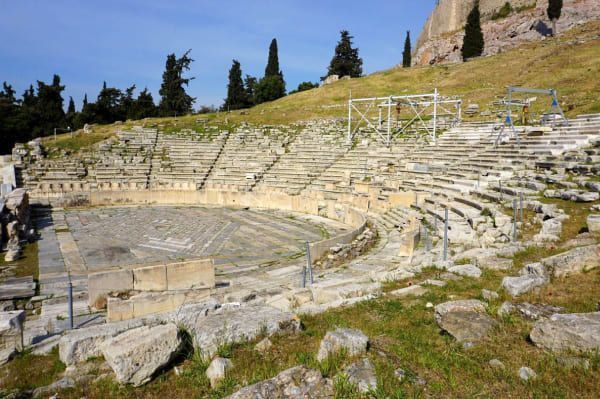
27	371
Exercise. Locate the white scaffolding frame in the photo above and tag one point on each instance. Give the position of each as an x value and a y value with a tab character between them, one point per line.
418	104
509	102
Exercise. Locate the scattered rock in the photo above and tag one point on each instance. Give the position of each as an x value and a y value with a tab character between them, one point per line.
296	383
51	389
489	295
264	345
576	260
465	320
362	373
536	311
414	290
400	374
496	364
593	222
573	362
466	271
217	370
576	332
353	341
435	283
526	374
516	286
505	309
137	354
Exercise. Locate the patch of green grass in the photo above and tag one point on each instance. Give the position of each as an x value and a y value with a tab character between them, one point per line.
27	264
27	371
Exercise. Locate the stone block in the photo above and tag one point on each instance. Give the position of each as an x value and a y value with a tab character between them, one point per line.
189	275
151	278
118	310
100	284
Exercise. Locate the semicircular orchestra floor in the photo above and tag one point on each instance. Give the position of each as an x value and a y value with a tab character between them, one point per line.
237	239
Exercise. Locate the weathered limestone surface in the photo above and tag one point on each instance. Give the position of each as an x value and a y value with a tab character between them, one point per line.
593	222
466	270
577	332
362	373
296	383
78	345
235	325
519	285
217	370
102	283
576	260
353	341
11	333
137	354
461	305
465	320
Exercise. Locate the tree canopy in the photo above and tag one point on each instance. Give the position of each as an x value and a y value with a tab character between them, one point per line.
237	97
345	61
473	42
174	99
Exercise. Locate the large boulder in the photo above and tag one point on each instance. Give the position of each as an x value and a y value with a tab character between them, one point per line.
574	332
298	382
354	342
574	261
461	305
11	333
229	325
78	345
136	355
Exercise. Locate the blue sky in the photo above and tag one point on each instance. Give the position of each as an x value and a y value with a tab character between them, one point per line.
125	42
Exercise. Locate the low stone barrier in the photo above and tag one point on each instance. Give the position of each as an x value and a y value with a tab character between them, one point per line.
193	274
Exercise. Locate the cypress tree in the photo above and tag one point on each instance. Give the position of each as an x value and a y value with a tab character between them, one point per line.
272	68
345	61
236	92
71	107
174	100
272	85
554	10
406	55
49	107
473	42
71	112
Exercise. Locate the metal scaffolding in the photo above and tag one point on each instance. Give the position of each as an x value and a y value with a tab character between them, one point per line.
510	102
416	104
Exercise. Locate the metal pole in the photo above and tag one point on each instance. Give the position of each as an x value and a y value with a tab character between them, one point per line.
445	233
521	205
389	121
435	99
514	219
54	134
500	185
350	117
70	298
309	263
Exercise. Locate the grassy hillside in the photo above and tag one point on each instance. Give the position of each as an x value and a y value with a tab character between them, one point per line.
569	63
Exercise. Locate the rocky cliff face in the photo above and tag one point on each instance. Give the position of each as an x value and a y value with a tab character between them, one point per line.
442	36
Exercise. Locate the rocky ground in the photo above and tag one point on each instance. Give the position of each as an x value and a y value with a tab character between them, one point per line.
530	329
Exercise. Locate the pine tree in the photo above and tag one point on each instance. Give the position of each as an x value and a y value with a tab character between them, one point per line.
236	93
49	107
406	55
174	100
143	106
554	10
473	42
345	61
108	105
